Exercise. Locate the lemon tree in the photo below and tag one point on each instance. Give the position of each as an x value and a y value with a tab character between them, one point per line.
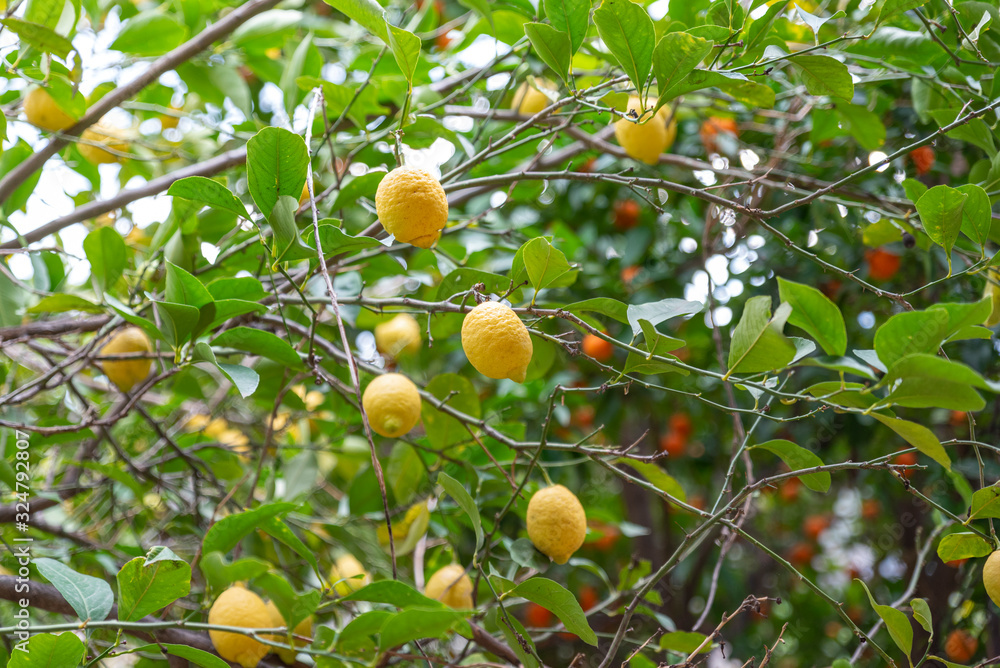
525	333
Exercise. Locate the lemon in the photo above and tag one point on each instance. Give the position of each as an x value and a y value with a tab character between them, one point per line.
556	522
239	607
451	586
529	100
412	206
406	532
496	342
127	373
347	568
991	576
304	628
992	291
648	140
106	137
42	111
392	404
399	335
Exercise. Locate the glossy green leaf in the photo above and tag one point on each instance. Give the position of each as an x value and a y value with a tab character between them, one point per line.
552	46
816	314
919	436
627	30
210	192
91	598
797	458
758	342
150	583
555	598
963	545
896	623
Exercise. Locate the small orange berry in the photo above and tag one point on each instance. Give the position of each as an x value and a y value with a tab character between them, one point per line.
598	348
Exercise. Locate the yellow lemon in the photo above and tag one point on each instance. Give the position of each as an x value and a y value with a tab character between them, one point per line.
42	111
991	576
496	342
648	140
556	522
304	628
412	206
98	142
399	335
406	532
392	403
529	100
127	373
451	586
239	607
992	291
347	568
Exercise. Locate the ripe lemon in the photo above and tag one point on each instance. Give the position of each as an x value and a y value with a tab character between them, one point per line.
42	111
239	607
556	522
304	628
529	100
412	206
347	568
496	342
451	586
101	137
992	291
991	576
399	335
647	141
127	373
392	404
406	532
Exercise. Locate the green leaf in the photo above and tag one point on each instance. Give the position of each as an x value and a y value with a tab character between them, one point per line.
963	545
220	573
260	342
684	642
240	288
985	503
277	161
415	624
544	265
604	305
183	288
674	58
367	13
210	192
405	48
824	75
287	245
178	321
245	379
335	240
44	12
896	622
105	251
919	436
42	38
278	529
442	429
91	598
404	472
571	17
816	314
394	592
976	214
360	629
481	7
839	364
922	613
151	33
552	46
734	84
798	458
941	212
465	501
358	187
150	583
63	302
560	602
928	381
627	31
912	332
760	28
914	189
889	8
293	70
654	344
758	343
292	606
47	650
225	534
864	125
657	312
656	475
198	657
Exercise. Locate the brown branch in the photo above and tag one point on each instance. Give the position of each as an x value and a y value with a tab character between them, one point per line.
165	63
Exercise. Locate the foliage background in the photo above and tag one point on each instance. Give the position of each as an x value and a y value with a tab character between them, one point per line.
821	174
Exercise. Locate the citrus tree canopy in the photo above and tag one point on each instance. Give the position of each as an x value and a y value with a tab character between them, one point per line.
532	333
